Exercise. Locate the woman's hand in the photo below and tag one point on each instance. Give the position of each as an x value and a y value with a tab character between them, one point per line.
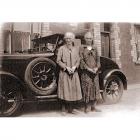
90	70
70	71
95	70
73	69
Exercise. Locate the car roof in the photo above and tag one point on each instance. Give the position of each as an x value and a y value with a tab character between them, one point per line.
53	39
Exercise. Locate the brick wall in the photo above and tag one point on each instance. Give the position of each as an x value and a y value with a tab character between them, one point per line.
128	54
1	39
115	43
97	36
45	29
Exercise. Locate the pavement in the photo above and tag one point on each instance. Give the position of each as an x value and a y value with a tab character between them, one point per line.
128	105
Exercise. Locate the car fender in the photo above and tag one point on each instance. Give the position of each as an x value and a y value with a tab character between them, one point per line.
15	79
117	72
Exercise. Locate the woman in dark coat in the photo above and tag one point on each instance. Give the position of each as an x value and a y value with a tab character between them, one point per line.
69	89
90	63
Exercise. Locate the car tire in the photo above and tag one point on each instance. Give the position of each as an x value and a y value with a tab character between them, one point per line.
40	76
10	98
113	90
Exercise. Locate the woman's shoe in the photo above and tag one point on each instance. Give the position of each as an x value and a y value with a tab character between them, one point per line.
63	113
70	109
63	108
86	109
95	109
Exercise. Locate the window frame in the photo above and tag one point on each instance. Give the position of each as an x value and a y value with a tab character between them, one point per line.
137	41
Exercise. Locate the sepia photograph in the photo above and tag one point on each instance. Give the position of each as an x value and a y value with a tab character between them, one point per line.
71	69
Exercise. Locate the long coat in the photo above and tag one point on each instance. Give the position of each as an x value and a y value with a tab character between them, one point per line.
69	88
89	81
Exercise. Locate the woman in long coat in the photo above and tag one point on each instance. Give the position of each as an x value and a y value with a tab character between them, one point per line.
69	89
90	63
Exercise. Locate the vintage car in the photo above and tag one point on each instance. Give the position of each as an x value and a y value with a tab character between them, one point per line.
32	76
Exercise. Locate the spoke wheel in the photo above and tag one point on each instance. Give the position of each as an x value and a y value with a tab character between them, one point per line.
40	76
10	101
43	76
113	90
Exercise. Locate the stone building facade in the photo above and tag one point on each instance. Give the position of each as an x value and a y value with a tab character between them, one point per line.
118	41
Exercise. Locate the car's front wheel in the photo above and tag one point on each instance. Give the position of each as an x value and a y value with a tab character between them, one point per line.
10	100
113	90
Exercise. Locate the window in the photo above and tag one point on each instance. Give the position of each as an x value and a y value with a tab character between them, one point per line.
137	43
107	27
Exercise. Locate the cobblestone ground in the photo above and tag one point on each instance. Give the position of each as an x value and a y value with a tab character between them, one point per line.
130	103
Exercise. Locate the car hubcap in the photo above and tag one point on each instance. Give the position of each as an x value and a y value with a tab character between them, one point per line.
112	90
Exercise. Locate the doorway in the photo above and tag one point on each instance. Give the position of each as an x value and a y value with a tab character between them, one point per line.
105	44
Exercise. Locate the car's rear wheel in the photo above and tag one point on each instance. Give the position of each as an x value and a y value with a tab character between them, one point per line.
113	90
10	100
40	76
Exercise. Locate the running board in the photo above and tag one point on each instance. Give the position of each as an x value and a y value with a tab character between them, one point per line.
41	99
46	97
